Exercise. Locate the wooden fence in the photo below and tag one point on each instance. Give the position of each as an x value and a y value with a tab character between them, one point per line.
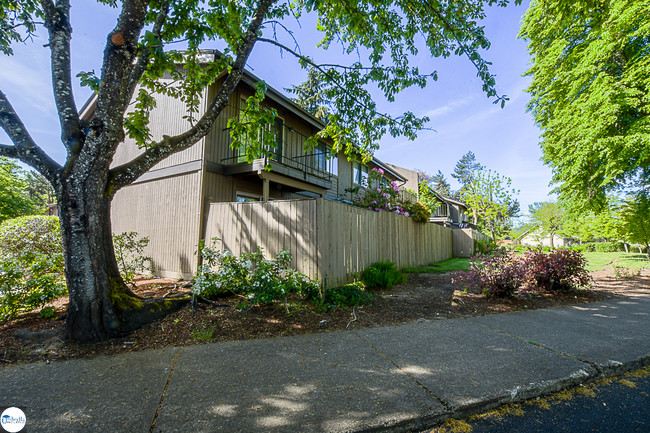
464	241
329	241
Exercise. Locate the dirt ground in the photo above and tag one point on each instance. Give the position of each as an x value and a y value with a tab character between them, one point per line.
423	296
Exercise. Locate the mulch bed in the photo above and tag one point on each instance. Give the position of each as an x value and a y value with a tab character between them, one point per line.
424	296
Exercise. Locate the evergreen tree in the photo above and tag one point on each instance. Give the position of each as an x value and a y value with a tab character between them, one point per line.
466	168
312	95
440	184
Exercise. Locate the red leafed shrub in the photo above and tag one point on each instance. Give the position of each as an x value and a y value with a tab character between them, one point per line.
559	270
498	275
503	273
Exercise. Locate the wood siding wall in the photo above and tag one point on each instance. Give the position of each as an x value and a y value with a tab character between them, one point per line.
329	241
167	211
464	241
165	119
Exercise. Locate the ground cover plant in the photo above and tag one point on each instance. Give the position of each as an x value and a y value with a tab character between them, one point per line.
451	265
599	260
382	275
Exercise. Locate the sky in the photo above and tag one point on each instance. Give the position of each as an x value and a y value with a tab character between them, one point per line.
462	118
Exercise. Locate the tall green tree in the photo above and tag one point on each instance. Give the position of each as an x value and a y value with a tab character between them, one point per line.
439	183
140	49
14	200
491	202
602	225
635	224
466	169
589	93
548	217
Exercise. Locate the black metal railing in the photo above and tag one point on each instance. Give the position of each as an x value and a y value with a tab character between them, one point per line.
290	153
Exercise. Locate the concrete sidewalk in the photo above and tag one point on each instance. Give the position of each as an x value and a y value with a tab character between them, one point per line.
402	378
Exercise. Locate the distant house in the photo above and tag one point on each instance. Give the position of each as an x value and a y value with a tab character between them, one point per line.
450	212
535	238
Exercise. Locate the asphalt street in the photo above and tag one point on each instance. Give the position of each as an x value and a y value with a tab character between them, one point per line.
622	406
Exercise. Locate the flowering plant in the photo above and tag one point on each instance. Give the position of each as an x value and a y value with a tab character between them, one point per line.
381	194
256	279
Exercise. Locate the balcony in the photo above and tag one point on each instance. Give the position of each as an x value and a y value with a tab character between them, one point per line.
289	159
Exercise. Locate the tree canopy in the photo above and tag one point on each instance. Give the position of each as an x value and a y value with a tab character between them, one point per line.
548	217
153	39
22	192
590	93
491	201
465	169
635	225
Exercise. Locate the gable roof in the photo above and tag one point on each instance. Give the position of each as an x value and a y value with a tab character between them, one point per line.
273	94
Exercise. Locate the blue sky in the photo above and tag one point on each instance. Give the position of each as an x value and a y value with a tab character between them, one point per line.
462	117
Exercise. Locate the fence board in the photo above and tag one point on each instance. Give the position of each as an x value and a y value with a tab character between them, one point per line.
329	241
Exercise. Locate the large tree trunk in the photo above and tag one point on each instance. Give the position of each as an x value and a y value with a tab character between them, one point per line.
101	306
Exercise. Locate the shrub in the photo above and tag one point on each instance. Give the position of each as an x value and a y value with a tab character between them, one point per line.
589	248
546	249
609	247
382	275
420	213
30	234
381	194
129	253
577	247
487	247
350	295
29	283
259	280
498	275
556	271
621	272
31	265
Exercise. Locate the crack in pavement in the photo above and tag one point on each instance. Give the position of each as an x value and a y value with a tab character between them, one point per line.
162	397
446	405
535	343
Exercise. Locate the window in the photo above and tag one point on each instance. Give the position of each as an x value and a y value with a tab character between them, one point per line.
333	165
278	128
320	157
243	197
360	174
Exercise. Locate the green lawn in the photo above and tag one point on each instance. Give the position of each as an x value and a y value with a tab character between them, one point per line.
440	267
597	261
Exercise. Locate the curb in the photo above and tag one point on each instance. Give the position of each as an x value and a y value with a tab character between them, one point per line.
520	393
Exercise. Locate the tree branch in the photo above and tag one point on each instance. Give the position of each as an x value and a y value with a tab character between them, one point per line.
127	173
113	96
24	147
57	22
324	71
143	59
8	150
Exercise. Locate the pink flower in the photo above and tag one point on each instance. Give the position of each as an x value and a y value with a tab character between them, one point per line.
406	213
